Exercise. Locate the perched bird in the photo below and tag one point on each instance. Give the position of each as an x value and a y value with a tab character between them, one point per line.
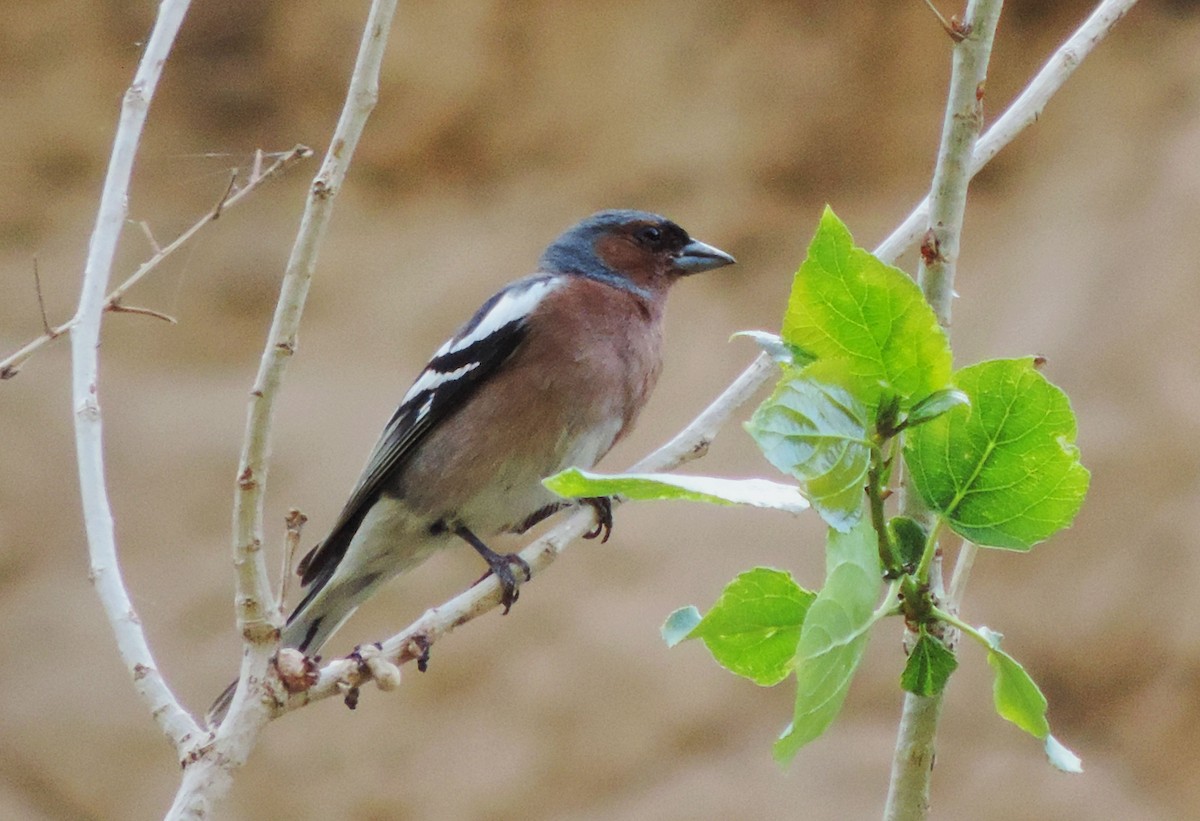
550	372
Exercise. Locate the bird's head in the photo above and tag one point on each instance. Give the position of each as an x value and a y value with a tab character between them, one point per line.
631	248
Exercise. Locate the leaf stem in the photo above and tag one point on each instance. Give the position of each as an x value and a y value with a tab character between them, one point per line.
931	542
889	555
962	626
890	606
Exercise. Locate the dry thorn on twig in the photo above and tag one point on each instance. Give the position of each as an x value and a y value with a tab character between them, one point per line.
117	308
295	524
229	190
953	27
37	286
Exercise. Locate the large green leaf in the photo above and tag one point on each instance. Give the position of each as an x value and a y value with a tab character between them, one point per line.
848	306
816	431
1005	471
754	627
576	483
834	635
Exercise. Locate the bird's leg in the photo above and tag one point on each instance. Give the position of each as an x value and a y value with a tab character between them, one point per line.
604	519
500	564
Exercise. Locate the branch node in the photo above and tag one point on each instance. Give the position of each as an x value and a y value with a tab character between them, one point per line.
296	671
931	248
953	27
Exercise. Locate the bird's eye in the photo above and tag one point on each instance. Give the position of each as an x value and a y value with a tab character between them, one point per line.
650	235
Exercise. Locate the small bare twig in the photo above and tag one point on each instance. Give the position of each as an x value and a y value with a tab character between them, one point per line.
295	525
953	27
11	365
118	308
154	246
37	286
233	175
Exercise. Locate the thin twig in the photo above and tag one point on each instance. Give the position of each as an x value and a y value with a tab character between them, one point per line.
10	365
118	308
258	619
216	212
295	525
37	286
154	246
172	719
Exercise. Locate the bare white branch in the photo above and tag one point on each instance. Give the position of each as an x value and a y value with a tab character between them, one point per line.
172	719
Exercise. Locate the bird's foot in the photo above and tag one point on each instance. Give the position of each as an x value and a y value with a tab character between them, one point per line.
500	565
604	518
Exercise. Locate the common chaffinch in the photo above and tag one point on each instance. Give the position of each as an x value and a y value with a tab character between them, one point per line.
550	372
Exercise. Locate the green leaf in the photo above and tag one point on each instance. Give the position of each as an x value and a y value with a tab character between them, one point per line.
848	306
679	624
834	635
909	536
1016	696
1004	472
929	667
934	405
816	431
753	628
1019	700
576	483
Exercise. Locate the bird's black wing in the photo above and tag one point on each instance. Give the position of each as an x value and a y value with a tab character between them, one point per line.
456	371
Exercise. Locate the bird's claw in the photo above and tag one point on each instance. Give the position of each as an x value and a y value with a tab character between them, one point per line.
604	518
501	568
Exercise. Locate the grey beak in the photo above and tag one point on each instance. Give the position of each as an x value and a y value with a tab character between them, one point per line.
699	256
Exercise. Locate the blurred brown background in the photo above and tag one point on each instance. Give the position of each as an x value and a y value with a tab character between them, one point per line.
498	125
